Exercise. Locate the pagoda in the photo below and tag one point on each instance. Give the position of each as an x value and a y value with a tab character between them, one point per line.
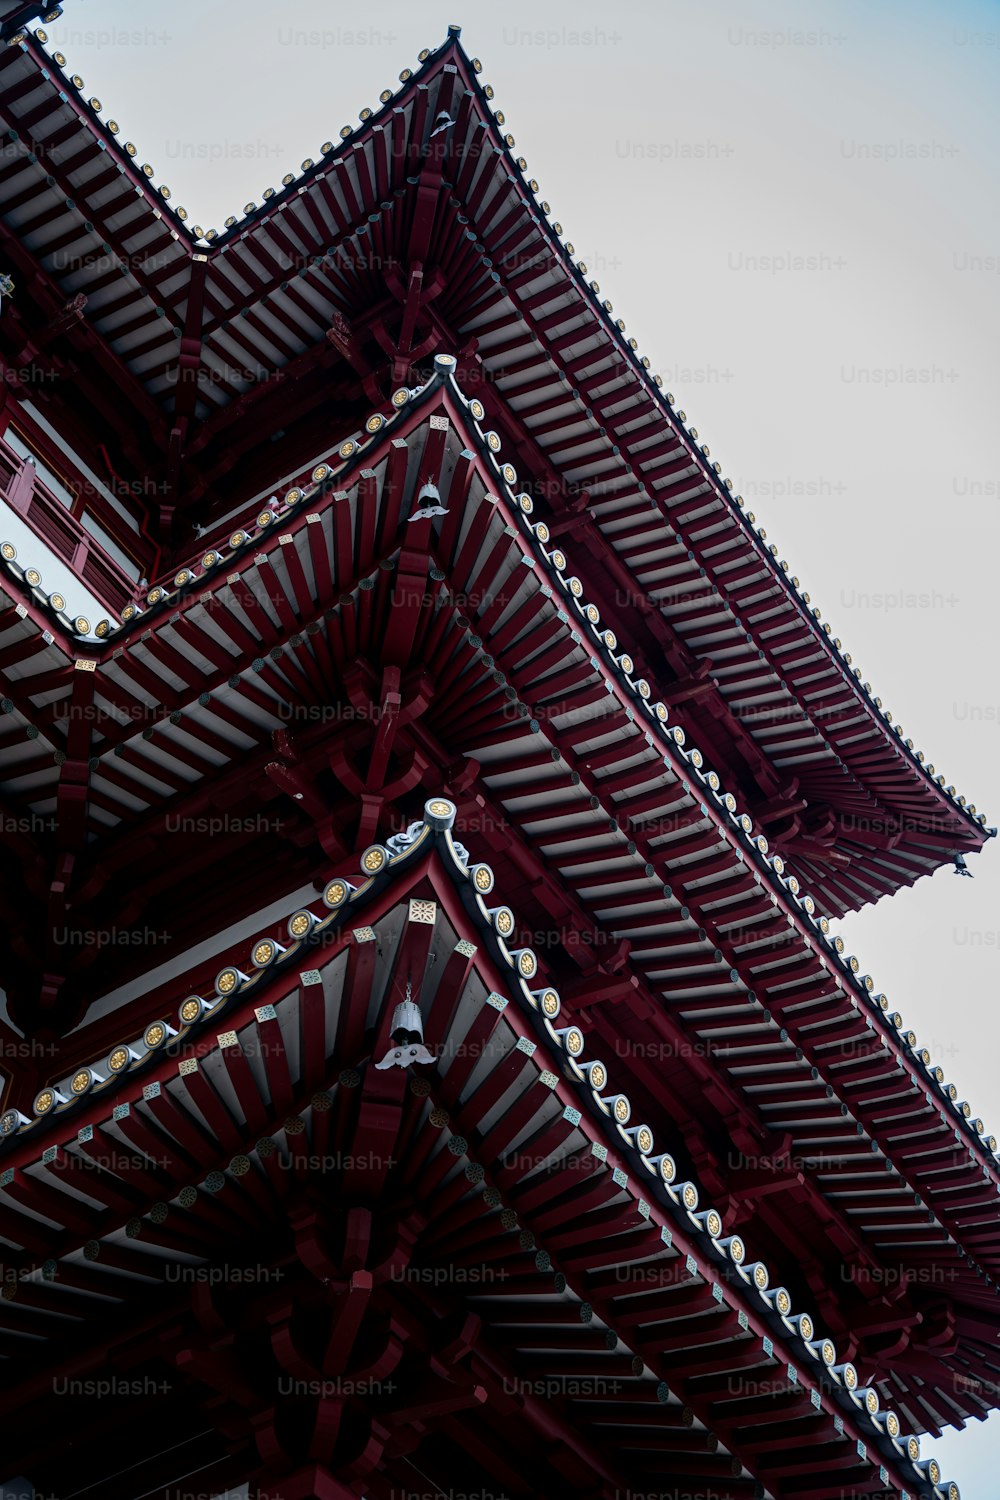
428	1067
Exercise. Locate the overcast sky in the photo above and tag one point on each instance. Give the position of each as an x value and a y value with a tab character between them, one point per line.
793	206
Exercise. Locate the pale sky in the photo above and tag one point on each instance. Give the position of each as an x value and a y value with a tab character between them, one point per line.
793	207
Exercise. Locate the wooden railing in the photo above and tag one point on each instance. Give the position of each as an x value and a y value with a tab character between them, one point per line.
49	519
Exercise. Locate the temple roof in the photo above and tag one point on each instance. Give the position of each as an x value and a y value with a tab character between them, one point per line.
185	327
566	737
524	1110
565	705
670	909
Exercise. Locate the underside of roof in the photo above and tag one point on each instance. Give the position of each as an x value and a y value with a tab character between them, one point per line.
242	703
401	1036
679	790
419	232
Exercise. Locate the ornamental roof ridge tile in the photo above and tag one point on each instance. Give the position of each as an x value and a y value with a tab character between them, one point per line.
612	1111
15	15
675	418
740	824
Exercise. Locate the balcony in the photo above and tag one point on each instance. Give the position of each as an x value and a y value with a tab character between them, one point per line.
63	533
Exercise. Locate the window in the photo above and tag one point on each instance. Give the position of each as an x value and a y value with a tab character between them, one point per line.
85	502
